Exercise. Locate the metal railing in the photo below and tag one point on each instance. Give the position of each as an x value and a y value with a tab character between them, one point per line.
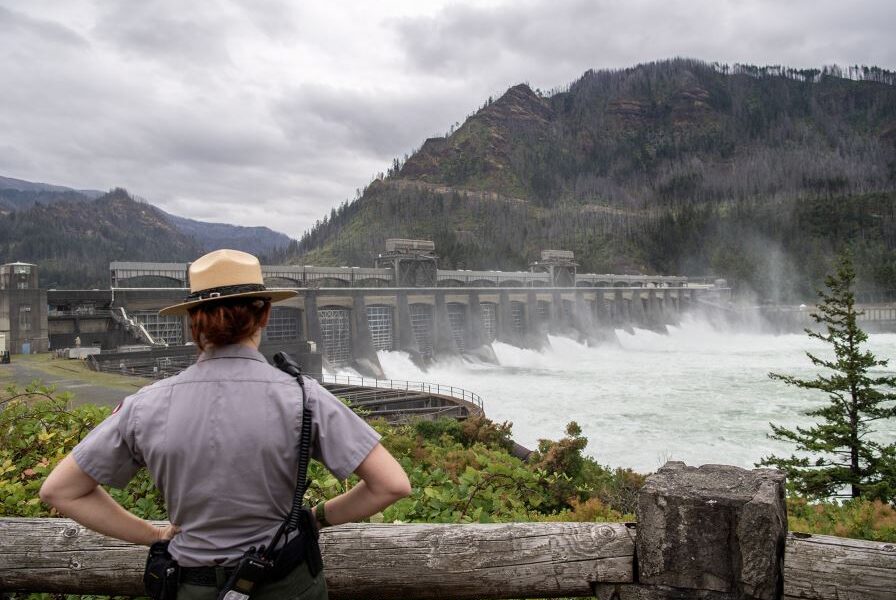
88	314
397	384
119	315
149	368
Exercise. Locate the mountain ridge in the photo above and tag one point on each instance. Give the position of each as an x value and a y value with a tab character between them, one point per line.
18	194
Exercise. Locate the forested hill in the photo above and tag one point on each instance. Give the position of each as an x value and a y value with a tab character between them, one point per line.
73	241
755	174
17	195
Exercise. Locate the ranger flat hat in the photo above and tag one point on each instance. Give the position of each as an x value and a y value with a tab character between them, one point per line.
223	275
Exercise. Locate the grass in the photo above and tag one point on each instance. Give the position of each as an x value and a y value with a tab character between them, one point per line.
75	370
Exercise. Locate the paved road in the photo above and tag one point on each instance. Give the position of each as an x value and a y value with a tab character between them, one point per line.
94	388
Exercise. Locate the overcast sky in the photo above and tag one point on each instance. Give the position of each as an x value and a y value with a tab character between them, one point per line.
270	112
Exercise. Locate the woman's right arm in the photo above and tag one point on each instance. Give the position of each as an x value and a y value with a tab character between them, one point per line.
383	481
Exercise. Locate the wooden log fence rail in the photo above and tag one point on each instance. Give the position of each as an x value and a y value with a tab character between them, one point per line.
713	533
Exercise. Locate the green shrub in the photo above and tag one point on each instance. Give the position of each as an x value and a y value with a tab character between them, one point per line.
38	428
854	518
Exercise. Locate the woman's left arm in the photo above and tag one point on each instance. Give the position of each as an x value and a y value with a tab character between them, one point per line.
383	481
77	495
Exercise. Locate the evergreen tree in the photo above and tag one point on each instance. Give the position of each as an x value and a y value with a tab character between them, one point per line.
844	456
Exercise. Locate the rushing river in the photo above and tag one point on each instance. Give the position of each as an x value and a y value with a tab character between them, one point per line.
698	394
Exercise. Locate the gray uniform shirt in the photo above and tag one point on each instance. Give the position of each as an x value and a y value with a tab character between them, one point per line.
221	442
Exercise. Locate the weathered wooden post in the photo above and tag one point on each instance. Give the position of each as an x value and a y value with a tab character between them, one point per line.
715	532
389	562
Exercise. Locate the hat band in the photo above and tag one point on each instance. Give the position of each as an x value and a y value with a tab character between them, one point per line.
224	291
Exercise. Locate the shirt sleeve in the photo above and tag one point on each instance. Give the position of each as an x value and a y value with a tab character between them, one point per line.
108	453
342	439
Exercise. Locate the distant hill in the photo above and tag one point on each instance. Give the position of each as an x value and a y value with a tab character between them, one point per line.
8	183
260	241
73	242
20	195
758	174
16	194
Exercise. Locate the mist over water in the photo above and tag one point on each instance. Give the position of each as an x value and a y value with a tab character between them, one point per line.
698	394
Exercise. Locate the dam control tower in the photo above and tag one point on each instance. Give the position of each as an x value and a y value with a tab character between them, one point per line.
413	262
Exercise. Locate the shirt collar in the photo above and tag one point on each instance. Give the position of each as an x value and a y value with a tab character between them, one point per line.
232	351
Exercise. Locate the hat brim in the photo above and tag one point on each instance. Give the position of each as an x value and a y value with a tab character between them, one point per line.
184	307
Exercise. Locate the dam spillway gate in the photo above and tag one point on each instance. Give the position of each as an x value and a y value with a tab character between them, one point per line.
350	325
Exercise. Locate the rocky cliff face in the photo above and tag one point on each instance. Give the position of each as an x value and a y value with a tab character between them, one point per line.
481	152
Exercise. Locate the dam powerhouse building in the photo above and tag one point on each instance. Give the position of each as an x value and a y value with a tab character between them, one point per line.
344	315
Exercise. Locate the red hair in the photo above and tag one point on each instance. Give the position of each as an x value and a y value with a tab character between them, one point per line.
228	321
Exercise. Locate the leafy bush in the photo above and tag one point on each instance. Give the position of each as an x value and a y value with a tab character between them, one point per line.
855	518
38	428
592	510
476	429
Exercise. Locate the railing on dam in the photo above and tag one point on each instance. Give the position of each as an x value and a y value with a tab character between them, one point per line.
137	275
397	384
713	532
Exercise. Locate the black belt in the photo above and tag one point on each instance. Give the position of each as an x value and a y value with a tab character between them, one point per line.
217	576
207	576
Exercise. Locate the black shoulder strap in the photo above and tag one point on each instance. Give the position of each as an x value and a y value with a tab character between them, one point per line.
285	363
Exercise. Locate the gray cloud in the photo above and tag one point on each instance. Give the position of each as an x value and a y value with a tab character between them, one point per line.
271	112
379	123
168	31
43	32
549	42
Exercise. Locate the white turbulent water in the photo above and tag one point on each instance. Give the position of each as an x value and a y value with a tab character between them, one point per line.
697	394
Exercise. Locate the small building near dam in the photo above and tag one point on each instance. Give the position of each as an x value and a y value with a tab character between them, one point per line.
23	310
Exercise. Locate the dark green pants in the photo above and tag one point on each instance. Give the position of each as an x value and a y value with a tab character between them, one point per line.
298	585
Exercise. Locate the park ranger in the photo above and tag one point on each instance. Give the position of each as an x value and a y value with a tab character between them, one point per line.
220	441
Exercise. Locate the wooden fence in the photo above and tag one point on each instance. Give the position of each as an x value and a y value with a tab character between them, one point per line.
712	533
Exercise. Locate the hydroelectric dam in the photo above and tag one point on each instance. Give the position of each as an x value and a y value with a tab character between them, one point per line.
405	302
